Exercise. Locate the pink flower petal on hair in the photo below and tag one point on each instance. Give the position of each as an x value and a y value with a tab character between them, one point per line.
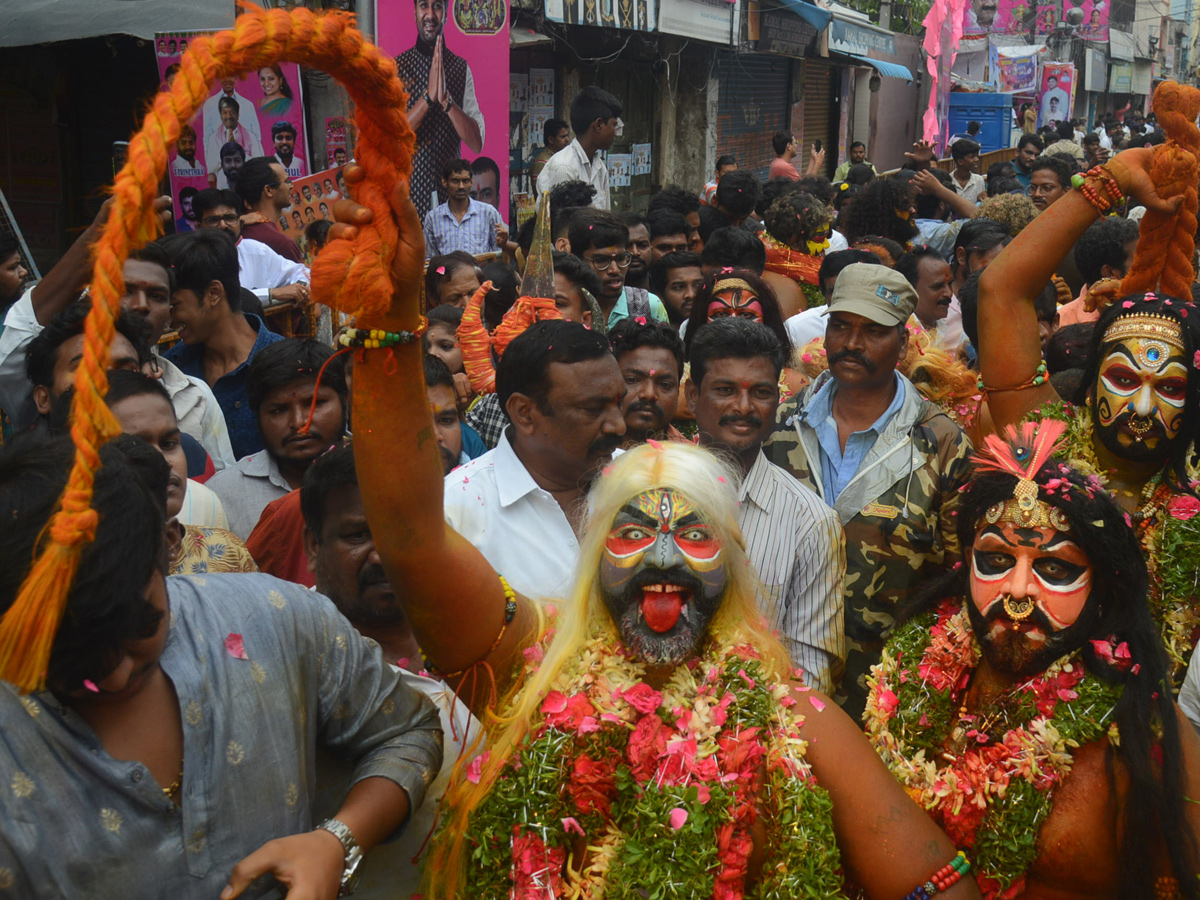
817	704
641	320
571	824
679	818
721	478
90	685
235	646
1127	304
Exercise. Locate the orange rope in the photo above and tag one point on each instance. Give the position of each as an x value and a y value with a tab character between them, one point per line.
353	276
1163	261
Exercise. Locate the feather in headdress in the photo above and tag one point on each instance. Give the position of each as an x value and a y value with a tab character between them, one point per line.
1022	451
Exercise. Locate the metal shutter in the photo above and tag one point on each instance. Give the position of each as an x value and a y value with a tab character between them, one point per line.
819	117
752	105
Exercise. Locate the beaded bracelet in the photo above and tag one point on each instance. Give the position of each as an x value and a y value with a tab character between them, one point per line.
1089	184
510	612
377	338
943	879
1039	378
1167	888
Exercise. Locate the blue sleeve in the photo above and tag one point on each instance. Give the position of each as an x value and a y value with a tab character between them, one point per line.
472	443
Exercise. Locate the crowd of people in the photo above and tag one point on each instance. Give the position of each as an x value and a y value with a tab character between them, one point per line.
789	538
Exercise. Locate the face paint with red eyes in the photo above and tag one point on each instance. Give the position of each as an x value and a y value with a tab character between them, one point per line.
1140	395
662	575
736	302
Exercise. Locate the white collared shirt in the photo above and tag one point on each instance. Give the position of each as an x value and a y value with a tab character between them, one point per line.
571	163
796	545
260	269
520	529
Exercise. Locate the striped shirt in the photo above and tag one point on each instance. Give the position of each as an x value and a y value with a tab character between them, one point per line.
796	545
475	232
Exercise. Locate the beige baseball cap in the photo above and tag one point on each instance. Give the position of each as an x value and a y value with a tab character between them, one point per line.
875	292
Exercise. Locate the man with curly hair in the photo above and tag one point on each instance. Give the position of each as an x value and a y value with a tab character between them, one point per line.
886	208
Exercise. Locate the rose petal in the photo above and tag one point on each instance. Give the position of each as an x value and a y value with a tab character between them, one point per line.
235	646
87	683
817	704
555	702
441	270
679	817
570	823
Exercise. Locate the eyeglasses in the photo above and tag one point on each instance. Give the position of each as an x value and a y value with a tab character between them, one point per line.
601	261
1036	189
214	221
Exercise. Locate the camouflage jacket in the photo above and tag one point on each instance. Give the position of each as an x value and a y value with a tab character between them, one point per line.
897	512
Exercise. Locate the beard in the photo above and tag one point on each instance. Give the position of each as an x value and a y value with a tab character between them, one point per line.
385	610
448	460
684	636
1015	653
1155	444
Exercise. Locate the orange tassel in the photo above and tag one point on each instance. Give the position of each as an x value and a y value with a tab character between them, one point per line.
1163	261
352	276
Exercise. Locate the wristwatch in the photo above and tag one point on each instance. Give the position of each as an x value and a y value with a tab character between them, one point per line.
354	854
428	99
449	105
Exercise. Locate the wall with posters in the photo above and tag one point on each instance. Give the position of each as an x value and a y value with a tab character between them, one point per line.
1009	16
260	114
455	69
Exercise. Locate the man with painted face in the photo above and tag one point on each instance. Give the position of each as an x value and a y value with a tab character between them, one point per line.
1024	702
887	460
636	719
1134	420
792	538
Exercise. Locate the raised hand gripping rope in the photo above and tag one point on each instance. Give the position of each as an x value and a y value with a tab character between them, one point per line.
353	277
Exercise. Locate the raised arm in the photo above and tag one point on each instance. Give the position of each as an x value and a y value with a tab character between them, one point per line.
1009	347
451	594
889	845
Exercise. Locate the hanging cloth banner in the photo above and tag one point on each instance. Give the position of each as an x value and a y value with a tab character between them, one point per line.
943	30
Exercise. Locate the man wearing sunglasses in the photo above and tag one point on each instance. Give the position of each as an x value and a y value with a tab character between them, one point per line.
601	240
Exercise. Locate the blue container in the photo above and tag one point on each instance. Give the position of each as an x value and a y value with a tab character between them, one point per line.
992	111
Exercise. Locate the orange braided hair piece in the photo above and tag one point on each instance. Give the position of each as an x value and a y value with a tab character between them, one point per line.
351	276
1163	261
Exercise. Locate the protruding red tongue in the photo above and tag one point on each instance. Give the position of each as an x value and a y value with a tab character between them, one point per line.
661	611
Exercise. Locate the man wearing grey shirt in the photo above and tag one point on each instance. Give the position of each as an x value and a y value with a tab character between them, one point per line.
171	750
793	539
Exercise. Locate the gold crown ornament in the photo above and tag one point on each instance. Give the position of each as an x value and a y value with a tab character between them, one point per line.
1147	327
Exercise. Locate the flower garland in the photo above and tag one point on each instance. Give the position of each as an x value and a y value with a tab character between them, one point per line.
802	268
621	786
1168	530
997	788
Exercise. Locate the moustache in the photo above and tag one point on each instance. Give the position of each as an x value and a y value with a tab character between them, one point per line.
852	355
311	434
1036	617
371	575
604	445
648	406
752	420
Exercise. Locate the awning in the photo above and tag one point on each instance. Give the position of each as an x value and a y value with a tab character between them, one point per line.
886	69
25	22
526	38
815	16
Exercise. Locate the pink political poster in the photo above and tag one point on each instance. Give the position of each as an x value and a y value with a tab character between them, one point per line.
1095	18
260	114
452	56
1009	16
